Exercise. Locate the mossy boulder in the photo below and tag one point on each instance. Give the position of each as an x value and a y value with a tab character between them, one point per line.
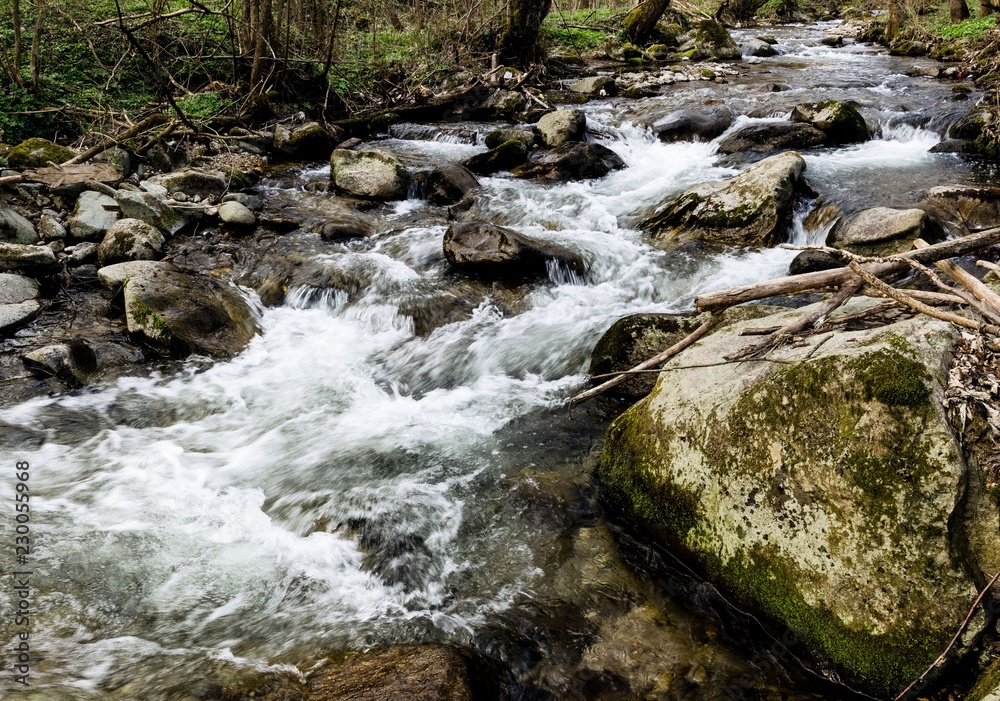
768	137
840	121
752	209
560	126
883	231
988	686
37	153
371	174
824	489
130	239
309	142
501	136
712	42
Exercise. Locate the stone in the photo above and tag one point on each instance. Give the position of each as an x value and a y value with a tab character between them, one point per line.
449	184
115	276
130	239
36	261
82	254
909	48
50	228
178	314
150	209
74	362
758	47
841	122
236	215
970	125
407	131
813	261
491	251
501	136
308	142
696	124
821	491
834	41
15	315
713	42
415	673
371	174
193	181
988	686
571	161
965	207
251	202
560	126
94	215
37	153
766	137
15	289
347	225
883	231
752	209
503	104
505	156
599	85
14	228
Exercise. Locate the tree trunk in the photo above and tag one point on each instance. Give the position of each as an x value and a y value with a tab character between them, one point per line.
16	18
640	22
985	8
36	40
519	44
959	11
262	44
897	16
736	13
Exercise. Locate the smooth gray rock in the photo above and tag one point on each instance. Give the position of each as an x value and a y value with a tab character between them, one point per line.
596	85
15	289
309	142
36	261
81	254
251	202
883	231
556	128
758	47
449	183
130	239
14	228
114	276
94	215
371	174
13	316
150	209
236	215
193	181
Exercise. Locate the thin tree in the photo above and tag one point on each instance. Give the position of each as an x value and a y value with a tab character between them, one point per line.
36	41
897	16
16	18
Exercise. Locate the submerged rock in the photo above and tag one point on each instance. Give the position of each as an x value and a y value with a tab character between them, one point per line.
772	136
495	251
883	231
449	184
571	161
826	491
752	209
556	128
841	122
372	174
698	124
38	153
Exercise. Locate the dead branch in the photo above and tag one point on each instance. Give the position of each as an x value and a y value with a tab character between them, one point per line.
149	122
970	282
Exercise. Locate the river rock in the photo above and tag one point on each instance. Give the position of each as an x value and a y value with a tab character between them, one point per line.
556	128
74	362
81	254
449	183
596	85
696	124
971	124
505	156
14	228
94	215
308	142
193	182
571	161
826	491
632	340
347	225
752	209
415	673
503	104
179	314
832	41
758	47
494	251
501	136
841	122
37	153
372	174
766	137
152	210
883	231
965	207
115	276
50	228
988	686
130	239
712	42
36	261
236	215
813	261
18	301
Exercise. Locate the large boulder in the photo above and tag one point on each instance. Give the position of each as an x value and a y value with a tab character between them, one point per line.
766	137
36	261
179	314
826	491
556	128
965	207
115	276
18	301
503	104
504	156
193	182
752	209
502	136
14	228
759	47
95	213
883	231
841	122
307	142
130	239
449	183
37	153
491	251
372	174
599	85
571	161
152	210
713	42
695	124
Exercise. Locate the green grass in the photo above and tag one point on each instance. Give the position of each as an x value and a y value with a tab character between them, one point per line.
581	30
937	23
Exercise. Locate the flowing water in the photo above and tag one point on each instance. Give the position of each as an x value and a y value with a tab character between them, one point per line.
350	480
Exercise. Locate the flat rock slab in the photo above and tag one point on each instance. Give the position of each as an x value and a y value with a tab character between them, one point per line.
15	289
114	276
14	315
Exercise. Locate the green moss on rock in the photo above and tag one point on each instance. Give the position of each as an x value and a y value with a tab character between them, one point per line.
36	153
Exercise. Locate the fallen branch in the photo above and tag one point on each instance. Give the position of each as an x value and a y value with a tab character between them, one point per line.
11	180
970	282
147	123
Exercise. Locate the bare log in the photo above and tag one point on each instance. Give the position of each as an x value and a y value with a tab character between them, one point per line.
807	282
147	123
970	282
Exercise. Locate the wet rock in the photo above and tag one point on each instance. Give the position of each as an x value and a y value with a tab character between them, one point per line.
632	340
150	209
813	261
506	156
81	254
752	209
130	239
883	231
713	42
970	125
347	225
834	41
596	85
251	202
449	184
408	131
417	673
966	207
556	128
308	142
841	122
909	48
50	228
115	276
38	153
767	137
820	491
757	47
501	136
571	161
36	261
503	104
14	228
179	314
74	362
698	124
371	174
18	301
193	182
493	251
236	215
94	215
